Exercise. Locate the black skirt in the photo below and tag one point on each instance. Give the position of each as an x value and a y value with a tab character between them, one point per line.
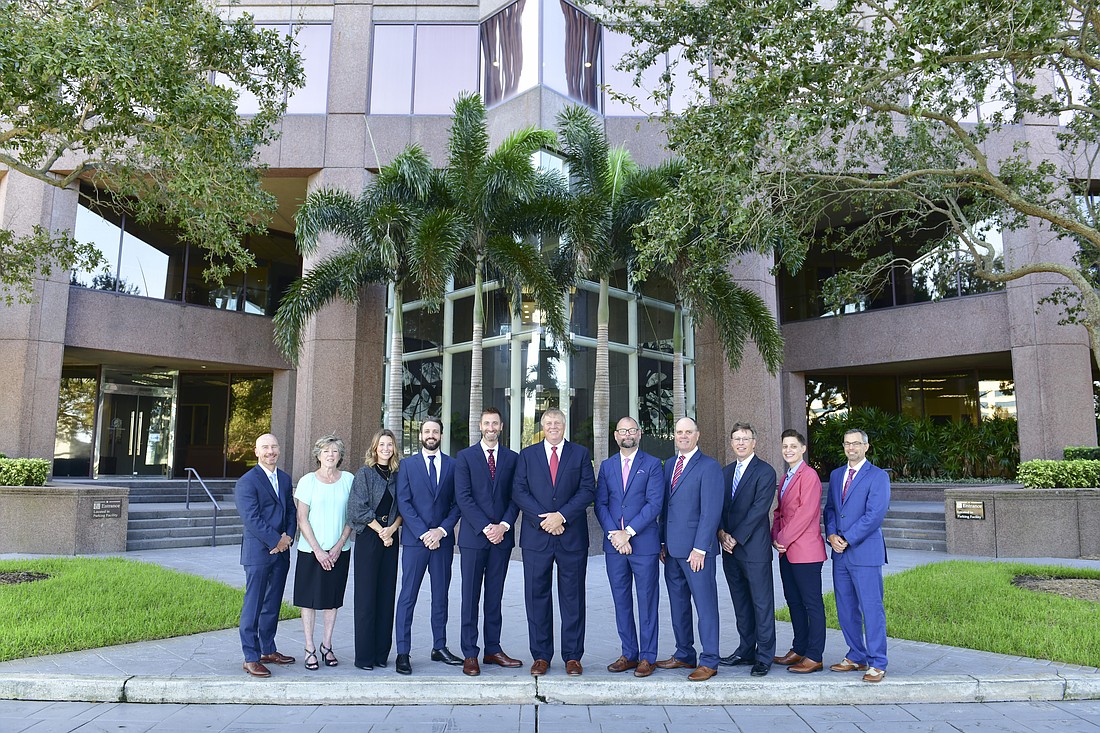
315	587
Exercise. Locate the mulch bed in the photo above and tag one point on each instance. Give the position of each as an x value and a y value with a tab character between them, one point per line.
21	576
1085	589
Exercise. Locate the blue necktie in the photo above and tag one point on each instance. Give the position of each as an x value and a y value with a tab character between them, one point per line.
736	478
433	477
275	483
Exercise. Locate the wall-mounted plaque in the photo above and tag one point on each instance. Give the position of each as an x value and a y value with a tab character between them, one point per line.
969	510
106	508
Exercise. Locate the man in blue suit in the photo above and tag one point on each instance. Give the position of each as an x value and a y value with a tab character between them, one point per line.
630	494
859	495
693	509
746	539
426	502
483	491
554	485
266	504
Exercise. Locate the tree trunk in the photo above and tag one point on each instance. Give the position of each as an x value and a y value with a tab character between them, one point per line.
601	390
476	382
679	398
395	406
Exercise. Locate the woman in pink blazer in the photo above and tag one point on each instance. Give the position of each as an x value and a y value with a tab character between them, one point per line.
796	534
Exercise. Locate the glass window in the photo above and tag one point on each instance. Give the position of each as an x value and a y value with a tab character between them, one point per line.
446	64
655	327
457	434
392	70
72	453
422	329
617	45
249	417
874	391
314	42
202	409
462	326
509	51
571	52
685	90
655	406
996	396
584	319
825	397
422	396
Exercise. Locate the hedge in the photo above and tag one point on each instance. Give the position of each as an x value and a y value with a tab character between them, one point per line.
24	471
1076	474
1086	453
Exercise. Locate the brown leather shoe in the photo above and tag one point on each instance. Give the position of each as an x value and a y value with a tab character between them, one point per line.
874	675
277	658
806	666
502	659
470	667
539	667
788	659
847	665
621	664
256	669
645	668
573	668
702	673
673	663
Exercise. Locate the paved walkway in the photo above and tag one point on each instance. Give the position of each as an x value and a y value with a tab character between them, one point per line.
205	668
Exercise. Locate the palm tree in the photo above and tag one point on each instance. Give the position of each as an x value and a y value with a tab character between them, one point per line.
503	201
398	231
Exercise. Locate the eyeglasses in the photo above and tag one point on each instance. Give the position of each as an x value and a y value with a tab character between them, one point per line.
856	444
628	431
742	440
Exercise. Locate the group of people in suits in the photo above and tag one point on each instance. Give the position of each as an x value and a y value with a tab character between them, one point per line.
689	514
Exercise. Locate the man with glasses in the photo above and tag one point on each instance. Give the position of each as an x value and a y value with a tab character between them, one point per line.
629	496
859	495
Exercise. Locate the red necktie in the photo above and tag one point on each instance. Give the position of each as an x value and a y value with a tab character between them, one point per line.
847	483
554	464
677	471
492	466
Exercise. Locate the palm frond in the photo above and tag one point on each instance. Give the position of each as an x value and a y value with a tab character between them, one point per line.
329	210
739	314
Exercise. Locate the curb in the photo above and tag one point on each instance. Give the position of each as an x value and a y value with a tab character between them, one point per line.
449	691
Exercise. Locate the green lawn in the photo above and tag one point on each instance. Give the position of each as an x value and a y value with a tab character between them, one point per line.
88	603
974	605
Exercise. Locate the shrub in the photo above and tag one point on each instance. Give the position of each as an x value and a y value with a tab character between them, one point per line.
1087	453
1079	474
23	471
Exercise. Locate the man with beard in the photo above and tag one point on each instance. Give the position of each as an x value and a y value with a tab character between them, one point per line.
629	497
426	501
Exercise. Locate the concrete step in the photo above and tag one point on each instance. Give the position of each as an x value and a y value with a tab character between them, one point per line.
196	532
165	523
164	543
916	534
912	544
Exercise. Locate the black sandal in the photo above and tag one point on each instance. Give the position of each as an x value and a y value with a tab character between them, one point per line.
311	665
329	657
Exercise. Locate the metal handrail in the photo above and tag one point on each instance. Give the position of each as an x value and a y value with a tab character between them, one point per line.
187	502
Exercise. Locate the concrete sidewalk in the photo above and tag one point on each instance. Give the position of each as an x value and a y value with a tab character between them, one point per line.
206	668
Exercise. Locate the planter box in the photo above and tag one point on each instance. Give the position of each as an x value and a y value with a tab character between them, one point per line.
1023	522
63	520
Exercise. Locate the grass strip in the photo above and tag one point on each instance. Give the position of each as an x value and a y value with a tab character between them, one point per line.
95	602
974	605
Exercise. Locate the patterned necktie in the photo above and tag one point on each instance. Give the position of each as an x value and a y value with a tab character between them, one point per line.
433	476
736	478
626	472
677	471
492	466
275	483
847	483
554	465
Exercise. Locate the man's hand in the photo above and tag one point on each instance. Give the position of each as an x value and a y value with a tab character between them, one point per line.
620	540
726	540
494	533
696	560
552	522
284	544
782	549
838	543
432	538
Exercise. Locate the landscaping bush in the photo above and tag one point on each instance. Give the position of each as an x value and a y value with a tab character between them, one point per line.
1080	474
918	448
1083	453
23	471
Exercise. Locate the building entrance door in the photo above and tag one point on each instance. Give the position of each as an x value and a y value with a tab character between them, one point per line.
135	430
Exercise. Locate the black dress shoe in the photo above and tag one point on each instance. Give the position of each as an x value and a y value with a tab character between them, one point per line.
381	663
760	669
367	667
403	665
443	654
733	660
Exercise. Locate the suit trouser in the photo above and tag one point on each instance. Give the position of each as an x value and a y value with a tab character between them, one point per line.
415	560
375	590
684	586
859	610
802	589
489	567
538	574
752	591
263	594
623	572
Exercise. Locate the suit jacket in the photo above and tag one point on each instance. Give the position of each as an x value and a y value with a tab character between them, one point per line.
265	516
638	507
747	514
797	521
692	512
535	494
421	508
483	500
858	519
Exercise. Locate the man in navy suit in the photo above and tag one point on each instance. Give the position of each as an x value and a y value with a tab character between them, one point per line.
266	505
746	539
693	509
630	494
859	495
554	485
426	502
483	491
